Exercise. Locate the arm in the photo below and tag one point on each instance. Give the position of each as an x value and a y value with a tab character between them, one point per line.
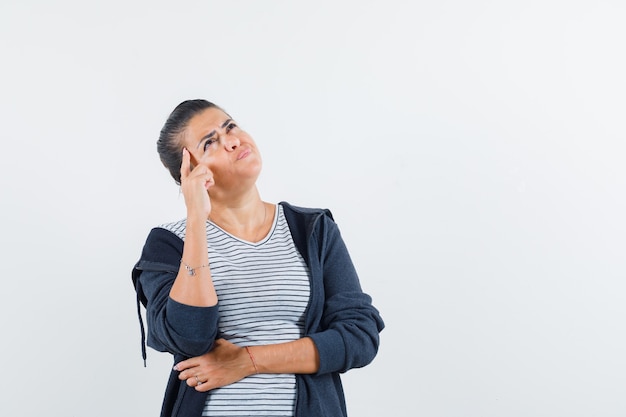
181	306
193	285
297	357
172	326
348	334
227	363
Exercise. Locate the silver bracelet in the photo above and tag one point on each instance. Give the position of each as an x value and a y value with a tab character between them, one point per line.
192	271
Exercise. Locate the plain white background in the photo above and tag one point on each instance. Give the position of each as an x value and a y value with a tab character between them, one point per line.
472	153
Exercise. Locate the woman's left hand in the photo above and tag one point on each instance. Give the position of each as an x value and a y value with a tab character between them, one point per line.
224	364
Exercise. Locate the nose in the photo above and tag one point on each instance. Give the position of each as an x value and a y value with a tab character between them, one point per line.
231	142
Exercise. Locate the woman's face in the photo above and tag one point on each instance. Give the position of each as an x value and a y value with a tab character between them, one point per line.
215	140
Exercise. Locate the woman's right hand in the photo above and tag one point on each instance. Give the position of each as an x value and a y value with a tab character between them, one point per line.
195	186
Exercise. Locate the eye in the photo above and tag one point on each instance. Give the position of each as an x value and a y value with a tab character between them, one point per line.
208	143
230	127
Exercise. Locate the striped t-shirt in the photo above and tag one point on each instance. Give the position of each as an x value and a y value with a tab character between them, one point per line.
263	291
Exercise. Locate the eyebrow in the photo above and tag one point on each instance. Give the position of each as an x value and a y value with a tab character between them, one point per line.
212	132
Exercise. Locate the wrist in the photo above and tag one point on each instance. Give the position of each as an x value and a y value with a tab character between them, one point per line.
252	361
197	217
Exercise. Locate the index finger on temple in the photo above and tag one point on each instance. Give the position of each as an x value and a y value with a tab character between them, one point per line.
184	166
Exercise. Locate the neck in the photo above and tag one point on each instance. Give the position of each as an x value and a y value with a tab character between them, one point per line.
245	219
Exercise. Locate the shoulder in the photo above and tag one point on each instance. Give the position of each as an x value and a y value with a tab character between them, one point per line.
178	227
305	212
161	251
165	243
306	223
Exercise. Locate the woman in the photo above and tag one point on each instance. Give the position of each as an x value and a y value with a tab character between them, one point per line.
259	303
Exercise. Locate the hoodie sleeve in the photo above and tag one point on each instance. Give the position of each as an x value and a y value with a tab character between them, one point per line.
172	327
348	335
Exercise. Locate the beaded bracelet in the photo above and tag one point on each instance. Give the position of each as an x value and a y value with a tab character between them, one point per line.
192	271
256	370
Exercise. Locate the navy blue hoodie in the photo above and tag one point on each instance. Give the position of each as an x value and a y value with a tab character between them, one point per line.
340	318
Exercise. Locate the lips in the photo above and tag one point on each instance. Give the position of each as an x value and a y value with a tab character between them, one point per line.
243	154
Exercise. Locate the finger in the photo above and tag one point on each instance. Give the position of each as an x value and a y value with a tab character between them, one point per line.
187	373
209	182
183	365
203	387
203	172
194	381
197	381
199	171
185	165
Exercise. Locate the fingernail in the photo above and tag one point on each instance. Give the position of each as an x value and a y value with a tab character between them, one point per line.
175	367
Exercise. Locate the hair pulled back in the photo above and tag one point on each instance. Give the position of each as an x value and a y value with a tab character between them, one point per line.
169	145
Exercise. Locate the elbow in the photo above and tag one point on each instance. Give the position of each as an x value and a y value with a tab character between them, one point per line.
165	339
182	330
361	348
346	347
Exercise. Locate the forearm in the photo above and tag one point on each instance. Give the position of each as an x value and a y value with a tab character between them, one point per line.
197	289
297	357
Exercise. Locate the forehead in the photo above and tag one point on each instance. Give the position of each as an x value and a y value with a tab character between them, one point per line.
207	120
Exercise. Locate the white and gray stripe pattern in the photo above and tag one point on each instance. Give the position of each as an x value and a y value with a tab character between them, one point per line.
263	291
